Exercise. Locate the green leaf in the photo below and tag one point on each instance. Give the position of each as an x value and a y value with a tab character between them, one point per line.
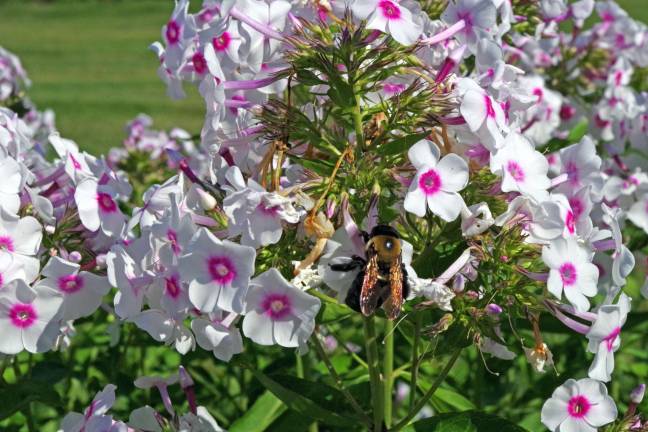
331	310
468	421
578	131
261	414
401	144
341	93
16	397
316	400
289	421
445	397
453	399
318	166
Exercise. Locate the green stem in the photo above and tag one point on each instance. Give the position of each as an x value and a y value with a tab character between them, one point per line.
357	122
340	384
29	416
374	373
388	369
421	403
415	359
301	373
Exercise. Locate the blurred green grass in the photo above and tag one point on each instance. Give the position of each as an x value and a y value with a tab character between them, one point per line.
89	62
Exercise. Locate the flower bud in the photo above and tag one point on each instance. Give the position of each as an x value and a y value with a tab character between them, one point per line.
185	378
50	229
458	283
101	261
207	201
331	206
75	257
493	309
636	396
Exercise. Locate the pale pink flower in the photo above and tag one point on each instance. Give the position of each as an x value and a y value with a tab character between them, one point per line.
483	114
218	272
29	318
523	169
98	207
82	291
571	270
436	182
217	333
605	337
278	312
95	417
20	238
578	406
388	16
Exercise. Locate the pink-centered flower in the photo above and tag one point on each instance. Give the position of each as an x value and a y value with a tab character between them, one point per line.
129	270
278	312
571	271
165	327
20	240
638	213
176	32
388	16
95	417
578	406
523	169
605	337
257	215
216	332
479	17
98	207
29	318
218	272
436	182
583	166
82	291
483	114
11	174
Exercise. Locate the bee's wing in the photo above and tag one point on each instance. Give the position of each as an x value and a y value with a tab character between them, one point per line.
369	293
394	303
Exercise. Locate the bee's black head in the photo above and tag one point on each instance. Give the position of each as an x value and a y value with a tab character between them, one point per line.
384	230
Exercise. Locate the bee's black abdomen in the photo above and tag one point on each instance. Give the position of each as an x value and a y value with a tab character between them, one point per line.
406	287
353	296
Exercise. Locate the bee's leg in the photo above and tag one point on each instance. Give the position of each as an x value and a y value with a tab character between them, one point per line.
355	263
406	287
353	296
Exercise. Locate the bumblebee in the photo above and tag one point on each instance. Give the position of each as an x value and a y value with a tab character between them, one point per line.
382	280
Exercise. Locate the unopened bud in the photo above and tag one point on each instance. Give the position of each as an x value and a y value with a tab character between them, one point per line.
459	283
75	257
207	201
325	5
50	229
185	378
637	395
493	309
331	206
473	295
101	261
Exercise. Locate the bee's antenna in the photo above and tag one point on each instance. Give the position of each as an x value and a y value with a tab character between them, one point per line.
394	328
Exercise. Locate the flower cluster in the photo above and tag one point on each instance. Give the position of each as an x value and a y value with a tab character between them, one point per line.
96	418
13	78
